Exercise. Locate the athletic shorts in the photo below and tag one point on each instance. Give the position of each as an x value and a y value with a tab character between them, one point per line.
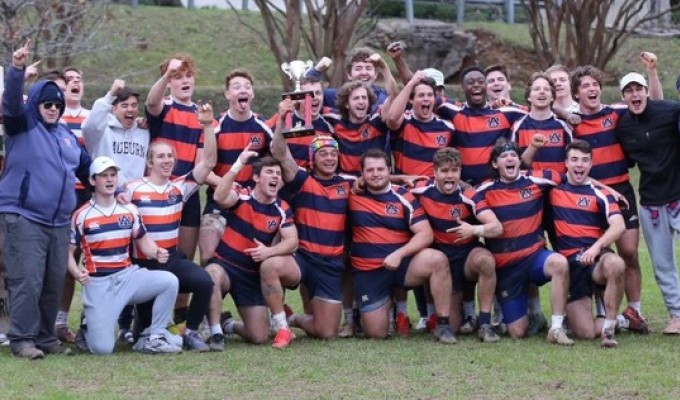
244	286
457	267
321	276
581	277
191	212
630	213
373	289
512	283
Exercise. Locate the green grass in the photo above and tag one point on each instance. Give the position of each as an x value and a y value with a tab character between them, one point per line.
641	368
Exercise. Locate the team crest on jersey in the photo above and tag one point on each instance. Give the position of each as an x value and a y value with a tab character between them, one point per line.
124	221
341	191
493	122
271	225
256	142
555	138
441	140
391	209
456	213
172	198
607	123
583	202
524	194
364	133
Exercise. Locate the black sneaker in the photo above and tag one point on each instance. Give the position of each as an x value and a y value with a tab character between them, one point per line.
216	342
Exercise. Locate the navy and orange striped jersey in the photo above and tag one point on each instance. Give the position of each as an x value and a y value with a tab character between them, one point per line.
161	208
553	153
104	235
299	147
519	207
320	208
599	129
581	214
477	130
249	219
355	139
415	143
443	211
381	224
233	136
75	125
178	126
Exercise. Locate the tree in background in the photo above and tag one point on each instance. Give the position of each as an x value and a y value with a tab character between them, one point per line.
582	32
323	28
58	29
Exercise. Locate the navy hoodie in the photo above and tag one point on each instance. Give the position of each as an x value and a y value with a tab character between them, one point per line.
41	159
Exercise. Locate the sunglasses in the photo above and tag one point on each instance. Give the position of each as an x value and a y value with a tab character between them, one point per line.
49	104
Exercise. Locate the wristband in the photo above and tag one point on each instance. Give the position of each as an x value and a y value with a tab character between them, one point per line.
238	166
478	230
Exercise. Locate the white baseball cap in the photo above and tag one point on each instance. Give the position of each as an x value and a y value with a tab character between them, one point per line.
435	74
101	164
632	77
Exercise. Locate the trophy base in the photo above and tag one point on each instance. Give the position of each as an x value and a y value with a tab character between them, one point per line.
298	95
297	132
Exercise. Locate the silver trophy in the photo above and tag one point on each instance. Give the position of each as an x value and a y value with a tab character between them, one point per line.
296	70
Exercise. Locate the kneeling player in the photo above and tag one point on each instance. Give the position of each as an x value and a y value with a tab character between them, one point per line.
451	211
581	210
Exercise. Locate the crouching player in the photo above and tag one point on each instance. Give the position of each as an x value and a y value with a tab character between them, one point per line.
452	213
581	211
256	218
103	229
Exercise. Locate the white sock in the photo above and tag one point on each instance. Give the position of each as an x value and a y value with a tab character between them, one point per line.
535	305
636	305
557	322
622	322
469	308
280	320
216	329
402	307
608	324
62	318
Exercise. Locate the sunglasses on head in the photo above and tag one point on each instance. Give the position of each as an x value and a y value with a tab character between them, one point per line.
49	104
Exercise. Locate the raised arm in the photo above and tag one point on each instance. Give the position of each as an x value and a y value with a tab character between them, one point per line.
95	125
12	99
396	52
204	167
537	141
279	147
154	100
394	115
224	196
650	62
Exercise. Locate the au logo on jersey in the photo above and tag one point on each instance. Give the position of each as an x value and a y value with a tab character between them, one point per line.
456	213
256	142
493	122
524	193
271	224
391	209
607	123
555	138
341	191
583	202
172	198
441	140
124	221
364	133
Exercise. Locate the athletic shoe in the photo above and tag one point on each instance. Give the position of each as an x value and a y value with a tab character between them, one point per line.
30	352
673	327
500	328
81	342
444	334
432	323
346	330
216	342
559	336
57	349
283	338
126	336
537	323
635	321
486	334
4	340
159	345
608	339
226	319
65	334
469	326
402	324
193	341
421	326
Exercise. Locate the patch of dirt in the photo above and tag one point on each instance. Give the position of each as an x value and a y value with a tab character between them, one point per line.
520	61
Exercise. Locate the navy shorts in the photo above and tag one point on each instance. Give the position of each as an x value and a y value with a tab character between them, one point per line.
630	213
244	286
373	289
512	283
322	276
191	212
581	278
457	267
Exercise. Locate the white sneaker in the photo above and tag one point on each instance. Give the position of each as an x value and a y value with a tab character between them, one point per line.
4	341
160	345
421	326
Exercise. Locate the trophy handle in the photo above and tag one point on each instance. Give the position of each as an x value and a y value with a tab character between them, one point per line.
285	67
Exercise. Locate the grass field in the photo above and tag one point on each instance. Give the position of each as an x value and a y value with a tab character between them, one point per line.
413	368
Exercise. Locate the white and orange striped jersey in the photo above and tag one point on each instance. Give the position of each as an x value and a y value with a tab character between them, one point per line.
104	235
161	208
74	121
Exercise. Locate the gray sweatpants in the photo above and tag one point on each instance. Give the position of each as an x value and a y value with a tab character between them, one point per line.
104	298
35	259
660	225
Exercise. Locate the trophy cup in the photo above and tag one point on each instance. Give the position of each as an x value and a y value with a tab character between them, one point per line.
296	70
